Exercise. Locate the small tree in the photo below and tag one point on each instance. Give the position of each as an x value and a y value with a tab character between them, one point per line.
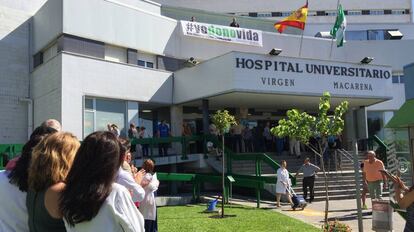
223	121
302	126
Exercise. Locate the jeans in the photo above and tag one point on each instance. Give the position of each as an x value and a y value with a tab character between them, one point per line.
375	189
145	149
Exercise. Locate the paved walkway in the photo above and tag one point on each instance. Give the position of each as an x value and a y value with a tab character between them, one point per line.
343	210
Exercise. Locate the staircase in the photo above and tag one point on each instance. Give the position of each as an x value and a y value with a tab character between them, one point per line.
341	177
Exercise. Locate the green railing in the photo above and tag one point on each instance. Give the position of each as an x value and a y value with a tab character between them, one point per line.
8	152
198	179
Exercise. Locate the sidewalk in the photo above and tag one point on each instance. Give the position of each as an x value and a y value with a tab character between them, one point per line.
343	210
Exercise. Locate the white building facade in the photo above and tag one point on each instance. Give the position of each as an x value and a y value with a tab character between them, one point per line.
90	63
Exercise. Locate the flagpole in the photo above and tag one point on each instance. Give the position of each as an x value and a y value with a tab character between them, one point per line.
303	31
301	41
330	52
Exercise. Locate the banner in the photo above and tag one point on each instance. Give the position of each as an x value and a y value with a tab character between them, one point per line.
222	33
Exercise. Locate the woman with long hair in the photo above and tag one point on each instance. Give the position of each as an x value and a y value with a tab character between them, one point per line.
13	186
91	200
51	160
148	206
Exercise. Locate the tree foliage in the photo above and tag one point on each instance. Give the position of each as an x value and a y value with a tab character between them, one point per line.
303	126
223	121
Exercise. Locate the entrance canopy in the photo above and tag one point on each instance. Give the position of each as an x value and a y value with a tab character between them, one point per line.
254	80
403	118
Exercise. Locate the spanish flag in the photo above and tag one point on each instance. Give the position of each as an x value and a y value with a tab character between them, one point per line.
296	19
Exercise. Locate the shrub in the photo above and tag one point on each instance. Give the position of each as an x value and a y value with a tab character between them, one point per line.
336	226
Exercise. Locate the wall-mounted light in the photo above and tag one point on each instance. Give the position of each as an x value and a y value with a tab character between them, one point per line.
275	51
191	62
367	60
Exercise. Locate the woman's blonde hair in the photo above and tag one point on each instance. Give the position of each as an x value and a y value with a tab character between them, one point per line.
52	159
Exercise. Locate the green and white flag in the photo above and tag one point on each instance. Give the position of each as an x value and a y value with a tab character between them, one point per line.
338	31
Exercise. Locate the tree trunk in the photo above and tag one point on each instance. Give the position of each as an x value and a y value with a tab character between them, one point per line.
326	184
222	175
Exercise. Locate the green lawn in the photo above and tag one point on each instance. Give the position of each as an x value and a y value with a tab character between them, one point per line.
191	218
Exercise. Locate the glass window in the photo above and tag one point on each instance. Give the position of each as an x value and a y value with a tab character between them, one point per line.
402	79
141	63
264	14
377	12
89	123
110	112
89	104
395	79
285	14
331	13
150	65
354	12
376	34
398	12
356	35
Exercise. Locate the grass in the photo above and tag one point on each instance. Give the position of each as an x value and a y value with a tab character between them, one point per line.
191	218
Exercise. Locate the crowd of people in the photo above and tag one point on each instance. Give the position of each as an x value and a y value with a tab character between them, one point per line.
60	184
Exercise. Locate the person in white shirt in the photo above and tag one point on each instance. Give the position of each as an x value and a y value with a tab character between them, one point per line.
130	179
91	200
283	183
14	186
148	207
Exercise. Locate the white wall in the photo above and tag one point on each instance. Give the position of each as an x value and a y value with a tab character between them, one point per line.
98	78
14	68
146	5
398	100
46	89
226	6
47	24
117	24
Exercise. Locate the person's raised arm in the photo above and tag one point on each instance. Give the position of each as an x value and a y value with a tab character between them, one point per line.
404	201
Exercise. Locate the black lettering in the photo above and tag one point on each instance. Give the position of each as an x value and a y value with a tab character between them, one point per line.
280	82
249	35
368	73
336	70
263	80
258	64
249	63
328	69
292	82
239	62
274	81
204	29
283	65
335	85
291	68
362	72
346	85
351	72
387	74
268	63
376	74
239	34
343	71
255	36
309	68
317	69
298	70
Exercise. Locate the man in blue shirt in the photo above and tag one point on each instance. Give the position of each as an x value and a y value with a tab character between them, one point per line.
163	131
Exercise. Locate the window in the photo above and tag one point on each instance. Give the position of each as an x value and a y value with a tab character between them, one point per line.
376	35
395	79
356	35
264	14
285	14
376	12
398	12
83	46
354	12
276	14
331	13
37	59
145	64
402	79
252	14
98	113
141	63
387	12
320	13
365	12
150	65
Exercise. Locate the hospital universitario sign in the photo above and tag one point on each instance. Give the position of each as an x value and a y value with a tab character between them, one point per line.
222	33
284	74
